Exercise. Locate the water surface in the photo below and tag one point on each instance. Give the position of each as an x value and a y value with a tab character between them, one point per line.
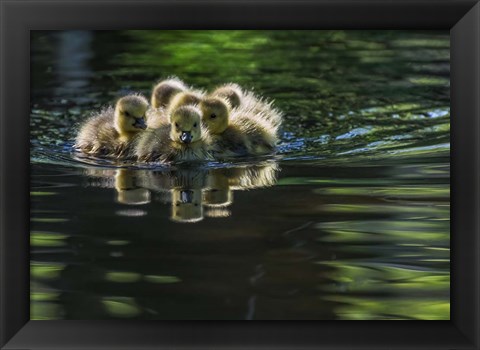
350	220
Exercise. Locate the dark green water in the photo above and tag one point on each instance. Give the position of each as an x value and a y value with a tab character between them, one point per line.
349	220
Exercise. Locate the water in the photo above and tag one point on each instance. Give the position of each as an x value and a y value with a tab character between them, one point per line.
348	221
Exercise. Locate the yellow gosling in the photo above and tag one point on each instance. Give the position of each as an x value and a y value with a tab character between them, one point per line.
239	98
237	132
231	92
112	132
229	137
165	90
185	98
183	139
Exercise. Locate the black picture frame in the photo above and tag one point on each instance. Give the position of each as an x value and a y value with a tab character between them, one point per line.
18	17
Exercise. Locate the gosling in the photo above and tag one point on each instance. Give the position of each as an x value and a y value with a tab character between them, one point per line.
247	100
113	131
237	132
165	90
183	139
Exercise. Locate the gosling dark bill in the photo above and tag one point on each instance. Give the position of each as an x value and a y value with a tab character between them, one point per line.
186	137
140	123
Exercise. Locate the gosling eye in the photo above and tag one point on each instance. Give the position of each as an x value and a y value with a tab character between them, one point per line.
213	116
176	125
127	114
195	125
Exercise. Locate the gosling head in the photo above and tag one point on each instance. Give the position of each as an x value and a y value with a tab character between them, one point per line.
186	125
215	114
130	114
165	90
184	98
231	92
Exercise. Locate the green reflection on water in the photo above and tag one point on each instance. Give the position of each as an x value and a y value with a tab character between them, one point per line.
46	271
44	310
122	307
416	230
47	239
396	192
42	193
402	309
122	277
162	279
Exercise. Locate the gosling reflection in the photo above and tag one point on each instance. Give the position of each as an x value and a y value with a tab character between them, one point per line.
187	205
128	192
217	194
192	193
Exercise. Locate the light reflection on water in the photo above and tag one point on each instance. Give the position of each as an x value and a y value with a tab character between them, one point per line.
349	220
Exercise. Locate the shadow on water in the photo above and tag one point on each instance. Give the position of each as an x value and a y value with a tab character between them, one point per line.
349	220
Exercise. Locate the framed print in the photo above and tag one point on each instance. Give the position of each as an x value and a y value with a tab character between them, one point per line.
173	170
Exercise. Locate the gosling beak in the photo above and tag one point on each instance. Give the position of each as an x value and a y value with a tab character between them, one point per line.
186	196
140	123
186	137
